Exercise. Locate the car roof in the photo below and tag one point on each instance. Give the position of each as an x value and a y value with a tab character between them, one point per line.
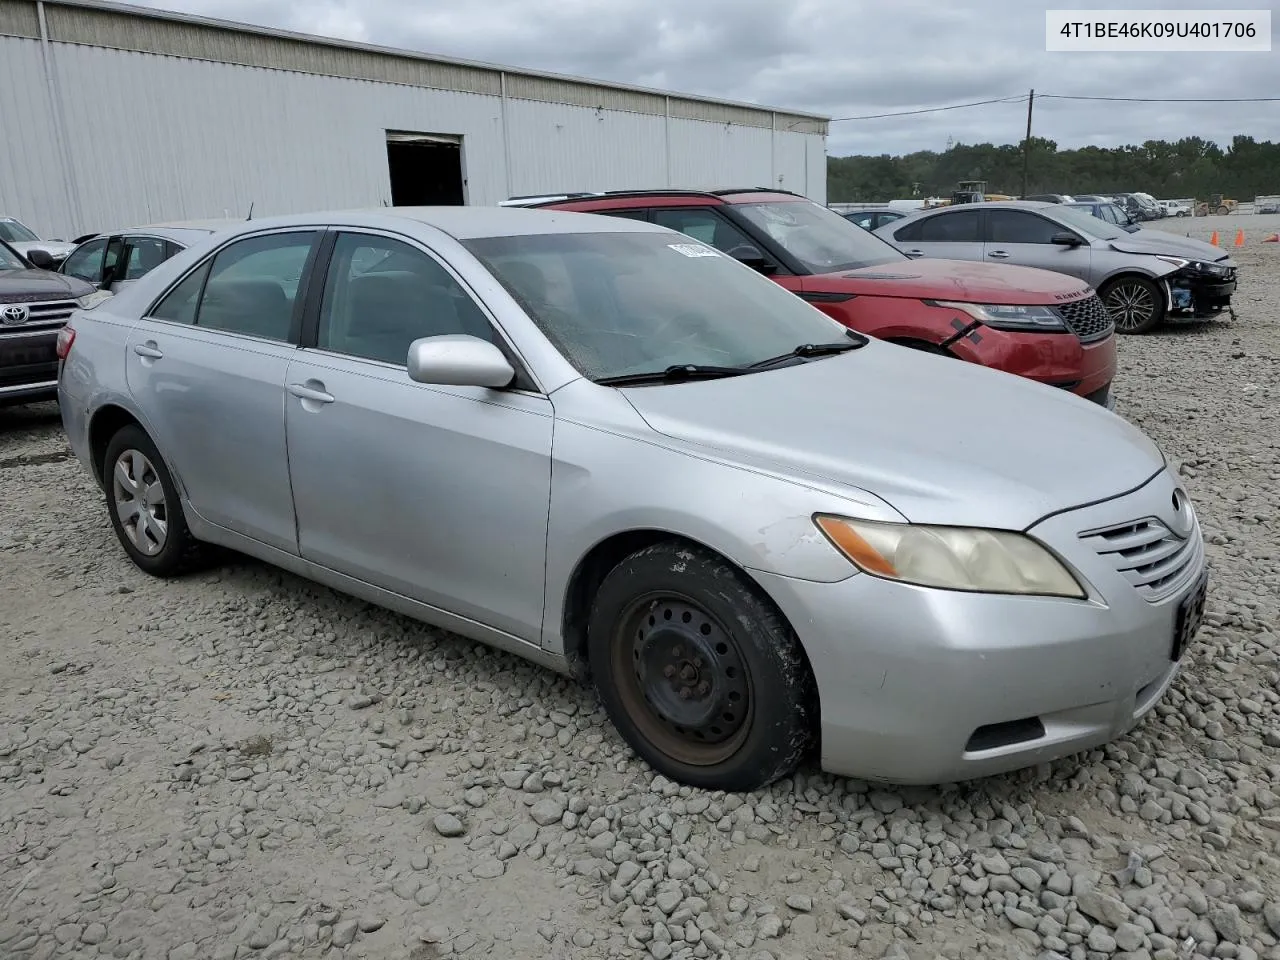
178	231
461	222
716	196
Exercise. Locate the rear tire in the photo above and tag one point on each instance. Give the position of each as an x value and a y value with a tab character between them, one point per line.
1135	304
144	506
699	672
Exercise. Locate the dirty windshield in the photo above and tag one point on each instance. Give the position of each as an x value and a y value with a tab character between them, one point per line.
623	303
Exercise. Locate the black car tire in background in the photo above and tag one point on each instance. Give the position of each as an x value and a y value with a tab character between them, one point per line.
1136	304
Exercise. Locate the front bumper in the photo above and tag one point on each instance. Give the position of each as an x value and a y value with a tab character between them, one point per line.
1057	359
1201	294
926	686
28	366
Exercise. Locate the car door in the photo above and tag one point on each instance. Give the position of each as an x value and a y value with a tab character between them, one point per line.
1025	238
948	235
138	255
207	366
437	493
86	261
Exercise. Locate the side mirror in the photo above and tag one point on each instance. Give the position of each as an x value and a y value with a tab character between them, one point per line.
1066	240
41	259
459	360
753	258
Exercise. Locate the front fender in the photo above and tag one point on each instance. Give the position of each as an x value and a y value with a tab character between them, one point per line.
605	484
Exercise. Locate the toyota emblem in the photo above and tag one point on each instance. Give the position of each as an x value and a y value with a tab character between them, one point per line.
14	314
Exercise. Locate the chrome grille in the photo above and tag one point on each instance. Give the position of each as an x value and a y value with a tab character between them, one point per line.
1146	553
1087	318
46	313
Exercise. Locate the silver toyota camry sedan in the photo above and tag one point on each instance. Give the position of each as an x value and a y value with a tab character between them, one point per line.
609	448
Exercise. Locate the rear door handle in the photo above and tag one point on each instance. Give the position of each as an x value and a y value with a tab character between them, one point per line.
998	254
148	350
915	253
304	392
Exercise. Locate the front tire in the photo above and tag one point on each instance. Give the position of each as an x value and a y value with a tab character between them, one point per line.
699	672
1136	305
144	506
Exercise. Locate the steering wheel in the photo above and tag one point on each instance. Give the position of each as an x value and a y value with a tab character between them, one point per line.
744	250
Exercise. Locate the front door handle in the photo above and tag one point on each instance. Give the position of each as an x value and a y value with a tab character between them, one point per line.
915	253
312	390
148	350
998	254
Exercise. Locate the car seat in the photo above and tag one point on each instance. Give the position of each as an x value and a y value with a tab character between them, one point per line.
389	310
256	307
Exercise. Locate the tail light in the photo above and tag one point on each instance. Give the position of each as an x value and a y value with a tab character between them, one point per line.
66	337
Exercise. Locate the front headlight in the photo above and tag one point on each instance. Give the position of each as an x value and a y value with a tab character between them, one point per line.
91	300
1005	317
951	558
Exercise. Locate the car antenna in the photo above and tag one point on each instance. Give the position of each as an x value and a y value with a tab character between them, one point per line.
250	216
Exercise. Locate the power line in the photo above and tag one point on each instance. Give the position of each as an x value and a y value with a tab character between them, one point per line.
1063	96
955	106
1022	98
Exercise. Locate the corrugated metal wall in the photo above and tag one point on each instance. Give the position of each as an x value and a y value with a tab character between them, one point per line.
155	138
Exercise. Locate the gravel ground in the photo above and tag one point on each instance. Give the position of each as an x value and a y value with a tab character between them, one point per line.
240	764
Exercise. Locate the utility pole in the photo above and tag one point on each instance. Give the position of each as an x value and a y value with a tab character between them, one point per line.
1026	144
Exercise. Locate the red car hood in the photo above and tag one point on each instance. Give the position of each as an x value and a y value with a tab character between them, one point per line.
961	280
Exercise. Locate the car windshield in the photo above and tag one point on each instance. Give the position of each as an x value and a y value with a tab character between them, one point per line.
9	259
821	239
12	231
624	303
1086	223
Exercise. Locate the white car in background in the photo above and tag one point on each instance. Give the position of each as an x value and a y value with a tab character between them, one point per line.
23	239
1177	208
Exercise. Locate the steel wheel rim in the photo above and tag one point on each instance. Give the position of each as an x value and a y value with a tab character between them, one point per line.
140	502
667	643
1130	305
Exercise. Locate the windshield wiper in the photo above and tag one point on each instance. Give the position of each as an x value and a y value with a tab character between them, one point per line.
807	350
673	374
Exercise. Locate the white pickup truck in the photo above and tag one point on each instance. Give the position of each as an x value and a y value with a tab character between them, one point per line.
1178	208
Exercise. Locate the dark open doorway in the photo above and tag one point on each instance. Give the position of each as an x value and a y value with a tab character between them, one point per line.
426	169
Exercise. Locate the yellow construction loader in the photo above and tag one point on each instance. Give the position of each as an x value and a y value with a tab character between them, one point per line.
1216	204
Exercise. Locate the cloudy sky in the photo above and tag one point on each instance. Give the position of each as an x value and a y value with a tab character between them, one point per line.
842	58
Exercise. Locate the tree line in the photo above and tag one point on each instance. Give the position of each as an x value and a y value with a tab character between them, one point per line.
1190	167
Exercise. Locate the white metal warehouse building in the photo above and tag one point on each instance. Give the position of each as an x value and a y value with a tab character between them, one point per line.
114	115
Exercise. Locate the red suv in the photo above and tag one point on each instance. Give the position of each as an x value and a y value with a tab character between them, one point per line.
1034	323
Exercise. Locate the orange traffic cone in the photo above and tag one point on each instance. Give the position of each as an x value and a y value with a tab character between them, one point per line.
1239	238
1274	238
1214	239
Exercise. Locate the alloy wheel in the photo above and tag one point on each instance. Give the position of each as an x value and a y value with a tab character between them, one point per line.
1131	305
140	502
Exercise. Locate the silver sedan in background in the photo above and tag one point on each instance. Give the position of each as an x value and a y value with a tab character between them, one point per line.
113	260
614	450
1141	276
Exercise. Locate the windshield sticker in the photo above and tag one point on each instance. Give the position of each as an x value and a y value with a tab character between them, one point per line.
693	250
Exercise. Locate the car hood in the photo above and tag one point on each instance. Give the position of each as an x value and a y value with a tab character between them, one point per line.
1159	242
940	440
17	286
929	279
58	249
